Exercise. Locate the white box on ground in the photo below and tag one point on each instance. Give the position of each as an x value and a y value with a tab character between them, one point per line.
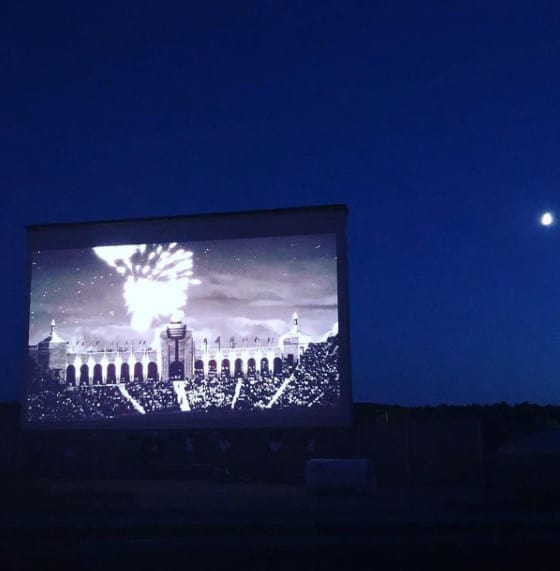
339	475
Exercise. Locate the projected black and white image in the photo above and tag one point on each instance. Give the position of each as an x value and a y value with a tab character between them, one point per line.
201	328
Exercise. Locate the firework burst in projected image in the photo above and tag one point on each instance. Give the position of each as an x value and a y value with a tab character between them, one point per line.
157	277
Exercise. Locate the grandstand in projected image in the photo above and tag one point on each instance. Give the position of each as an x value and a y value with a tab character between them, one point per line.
152	333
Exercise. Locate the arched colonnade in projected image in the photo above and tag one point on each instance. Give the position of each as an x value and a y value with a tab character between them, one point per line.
111	373
238	366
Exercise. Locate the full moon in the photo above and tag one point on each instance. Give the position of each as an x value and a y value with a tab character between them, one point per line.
547	219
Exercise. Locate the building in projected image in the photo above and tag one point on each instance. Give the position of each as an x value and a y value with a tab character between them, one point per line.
177	358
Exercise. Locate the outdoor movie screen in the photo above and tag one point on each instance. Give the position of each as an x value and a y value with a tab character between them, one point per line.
210	321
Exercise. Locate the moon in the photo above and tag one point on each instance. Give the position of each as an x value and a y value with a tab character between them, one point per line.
547	219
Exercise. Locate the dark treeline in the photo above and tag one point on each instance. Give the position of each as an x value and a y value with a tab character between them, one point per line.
500	422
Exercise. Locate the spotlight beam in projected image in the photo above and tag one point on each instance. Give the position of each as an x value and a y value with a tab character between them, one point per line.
157	279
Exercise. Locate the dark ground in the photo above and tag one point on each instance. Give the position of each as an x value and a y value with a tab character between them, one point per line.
173	524
156	518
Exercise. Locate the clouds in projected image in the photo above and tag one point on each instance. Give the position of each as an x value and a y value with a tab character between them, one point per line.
247	287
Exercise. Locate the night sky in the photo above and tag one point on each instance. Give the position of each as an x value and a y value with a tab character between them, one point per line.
437	123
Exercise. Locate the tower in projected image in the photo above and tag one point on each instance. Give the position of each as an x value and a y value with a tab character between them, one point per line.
50	356
177	351
295	342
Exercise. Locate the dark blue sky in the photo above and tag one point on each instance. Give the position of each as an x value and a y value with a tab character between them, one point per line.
437	123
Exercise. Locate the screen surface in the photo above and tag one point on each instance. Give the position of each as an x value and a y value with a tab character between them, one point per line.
198	321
